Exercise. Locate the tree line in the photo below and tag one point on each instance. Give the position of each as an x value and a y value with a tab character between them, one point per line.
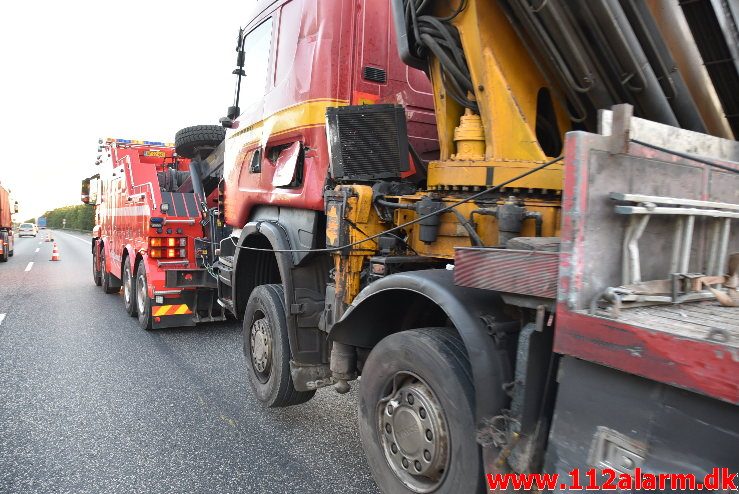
80	217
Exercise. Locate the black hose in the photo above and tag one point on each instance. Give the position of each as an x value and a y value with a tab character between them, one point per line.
437	37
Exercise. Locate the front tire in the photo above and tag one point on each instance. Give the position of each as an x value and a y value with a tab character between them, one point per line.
267	349
143	302
416	414
97	274
129	289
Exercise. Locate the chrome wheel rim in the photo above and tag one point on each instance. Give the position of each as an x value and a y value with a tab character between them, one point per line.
260	347
413	432
127	282
141	294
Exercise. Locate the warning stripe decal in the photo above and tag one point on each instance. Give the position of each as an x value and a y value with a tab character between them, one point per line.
170	310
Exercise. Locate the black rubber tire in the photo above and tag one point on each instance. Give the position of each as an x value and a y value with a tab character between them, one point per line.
129	295
439	358
144	312
106	282
97	275
268	301
198	140
5	255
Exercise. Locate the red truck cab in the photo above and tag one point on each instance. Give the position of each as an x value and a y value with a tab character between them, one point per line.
302	57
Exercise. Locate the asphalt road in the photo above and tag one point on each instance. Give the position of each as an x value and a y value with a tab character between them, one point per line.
91	403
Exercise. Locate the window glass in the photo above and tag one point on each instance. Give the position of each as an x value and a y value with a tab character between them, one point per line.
256	63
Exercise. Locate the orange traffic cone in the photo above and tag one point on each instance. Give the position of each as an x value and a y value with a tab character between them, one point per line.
55	253
48	236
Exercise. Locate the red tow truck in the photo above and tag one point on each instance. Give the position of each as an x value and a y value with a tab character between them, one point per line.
148	233
6	225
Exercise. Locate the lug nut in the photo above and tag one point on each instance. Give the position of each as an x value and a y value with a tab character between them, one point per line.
404	462
390	409
388	429
422	413
410	399
426	454
394	448
417	464
429	435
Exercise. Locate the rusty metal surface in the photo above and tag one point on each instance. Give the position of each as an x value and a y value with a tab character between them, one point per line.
692	345
522	272
701	321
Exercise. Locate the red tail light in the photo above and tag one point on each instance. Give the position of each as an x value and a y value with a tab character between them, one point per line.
168	247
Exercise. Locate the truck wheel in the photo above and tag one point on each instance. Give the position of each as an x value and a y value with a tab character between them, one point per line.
129	289
97	274
267	349
106	284
143	302
4	239
416	414
198	140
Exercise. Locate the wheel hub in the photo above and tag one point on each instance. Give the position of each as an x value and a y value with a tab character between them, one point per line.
414	434
127	287
141	295
261	347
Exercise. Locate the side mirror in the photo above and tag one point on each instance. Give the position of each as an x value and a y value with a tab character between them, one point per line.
94	184
15	207
85	193
234	111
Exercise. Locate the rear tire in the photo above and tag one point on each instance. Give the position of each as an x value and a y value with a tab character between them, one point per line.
198	140
267	349
107	282
143	302
416	414
97	275
129	289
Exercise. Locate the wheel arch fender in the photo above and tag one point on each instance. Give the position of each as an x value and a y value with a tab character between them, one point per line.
128	252
277	240
299	275
427	298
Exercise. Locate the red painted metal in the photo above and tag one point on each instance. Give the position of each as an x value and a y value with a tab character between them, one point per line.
318	51
5	210
131	196
702	366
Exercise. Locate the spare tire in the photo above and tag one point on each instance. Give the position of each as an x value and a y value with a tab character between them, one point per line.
198	140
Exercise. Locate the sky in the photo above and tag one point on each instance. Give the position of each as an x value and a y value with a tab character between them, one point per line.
75	71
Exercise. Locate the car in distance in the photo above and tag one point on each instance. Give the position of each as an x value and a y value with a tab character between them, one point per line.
27	230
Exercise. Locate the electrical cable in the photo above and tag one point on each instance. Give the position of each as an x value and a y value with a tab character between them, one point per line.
407	223
687	156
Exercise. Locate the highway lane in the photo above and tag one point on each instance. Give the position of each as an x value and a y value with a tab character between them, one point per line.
89	402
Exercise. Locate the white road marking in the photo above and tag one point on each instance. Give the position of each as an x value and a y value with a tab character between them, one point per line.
30	265
2	316
75	237
37	249
40	243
